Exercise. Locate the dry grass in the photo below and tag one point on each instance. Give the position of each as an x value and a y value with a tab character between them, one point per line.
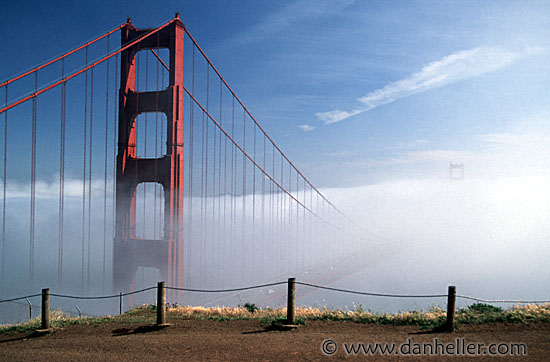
474	314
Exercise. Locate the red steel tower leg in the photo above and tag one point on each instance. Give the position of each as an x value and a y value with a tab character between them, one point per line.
130	252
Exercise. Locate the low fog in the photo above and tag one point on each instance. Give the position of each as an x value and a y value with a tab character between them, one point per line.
489	237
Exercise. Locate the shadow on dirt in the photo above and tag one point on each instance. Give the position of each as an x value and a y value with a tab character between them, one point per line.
140	329
34	334
439	329
275	327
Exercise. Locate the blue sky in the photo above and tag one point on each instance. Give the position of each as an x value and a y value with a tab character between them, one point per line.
352	91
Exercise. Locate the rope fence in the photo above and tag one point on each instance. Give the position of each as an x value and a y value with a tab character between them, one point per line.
19	298
503	301
371	294
226	290
103	296
291	306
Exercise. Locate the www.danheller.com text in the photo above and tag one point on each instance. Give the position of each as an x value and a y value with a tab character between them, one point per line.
458	347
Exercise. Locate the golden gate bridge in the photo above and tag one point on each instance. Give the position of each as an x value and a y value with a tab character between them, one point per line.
134	163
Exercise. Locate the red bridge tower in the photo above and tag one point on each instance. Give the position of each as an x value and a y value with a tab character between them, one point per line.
131	252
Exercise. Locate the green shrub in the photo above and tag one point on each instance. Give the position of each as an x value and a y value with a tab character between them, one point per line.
484	308
251	307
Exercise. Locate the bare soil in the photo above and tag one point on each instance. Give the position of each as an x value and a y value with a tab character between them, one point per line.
247	340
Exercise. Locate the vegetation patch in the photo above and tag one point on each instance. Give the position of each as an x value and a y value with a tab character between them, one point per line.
272	320
474	314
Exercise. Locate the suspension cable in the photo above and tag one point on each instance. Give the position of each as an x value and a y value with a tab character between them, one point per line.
61	57
85	69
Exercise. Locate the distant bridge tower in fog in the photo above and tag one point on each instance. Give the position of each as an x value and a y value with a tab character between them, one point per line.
456	171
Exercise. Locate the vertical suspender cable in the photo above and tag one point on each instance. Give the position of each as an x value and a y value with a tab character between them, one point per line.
61	175
136	143
225	203
225	258
232	215
84	174
190	168
115	121
183	185
90	176
290	207
202	204
303	225
273	210
218	246
105	171
33	181
312	226
244	242
291	234
161	204
214	198
213	162
206	240
137	133
253	259
155	191
187	235
145	144
297	236
262	223
4	188
282	196
316	225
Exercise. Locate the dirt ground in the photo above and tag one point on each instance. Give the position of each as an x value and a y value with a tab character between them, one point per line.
246	340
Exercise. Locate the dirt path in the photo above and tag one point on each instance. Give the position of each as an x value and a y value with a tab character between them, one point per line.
245	340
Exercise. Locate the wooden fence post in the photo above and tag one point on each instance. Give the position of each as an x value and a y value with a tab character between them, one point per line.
45	309
161	303
451	303
291	303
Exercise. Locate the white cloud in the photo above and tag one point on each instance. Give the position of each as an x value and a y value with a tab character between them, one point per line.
336	115
306	127
291	14
449	69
